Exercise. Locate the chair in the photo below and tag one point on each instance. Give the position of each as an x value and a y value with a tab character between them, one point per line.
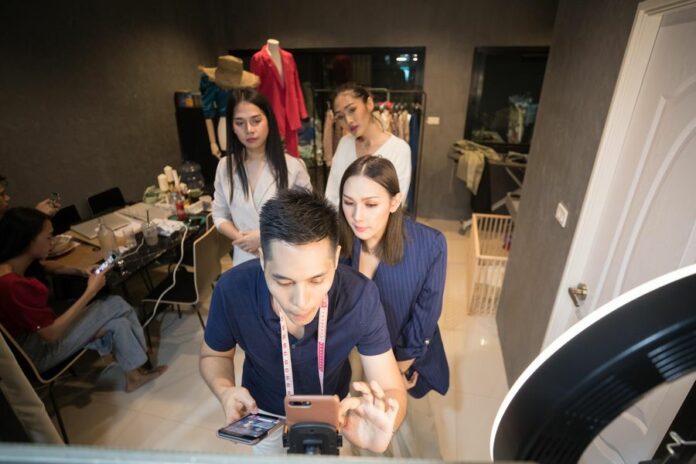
106	201
190	286
42	379
64	218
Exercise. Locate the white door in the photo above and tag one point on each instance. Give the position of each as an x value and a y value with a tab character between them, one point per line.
638	219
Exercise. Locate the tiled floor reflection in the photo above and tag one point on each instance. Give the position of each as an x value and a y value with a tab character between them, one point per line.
178	412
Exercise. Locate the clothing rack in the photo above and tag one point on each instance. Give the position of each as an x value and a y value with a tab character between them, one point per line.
390	93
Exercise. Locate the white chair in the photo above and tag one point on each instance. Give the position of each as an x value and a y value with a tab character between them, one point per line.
42	379
190	286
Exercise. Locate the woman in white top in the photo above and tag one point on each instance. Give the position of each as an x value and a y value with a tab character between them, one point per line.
255	168
353	106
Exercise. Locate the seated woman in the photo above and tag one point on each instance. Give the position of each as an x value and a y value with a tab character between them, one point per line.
255	168
407	261
108	325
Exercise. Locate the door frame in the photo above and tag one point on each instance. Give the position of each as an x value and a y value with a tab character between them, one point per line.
633	68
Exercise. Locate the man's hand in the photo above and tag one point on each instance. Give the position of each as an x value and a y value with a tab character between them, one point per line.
249	241
48	206
237	403
368	421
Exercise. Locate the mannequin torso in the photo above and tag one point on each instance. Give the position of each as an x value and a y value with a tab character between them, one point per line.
273	47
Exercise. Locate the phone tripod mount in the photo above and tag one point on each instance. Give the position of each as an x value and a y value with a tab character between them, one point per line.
315	438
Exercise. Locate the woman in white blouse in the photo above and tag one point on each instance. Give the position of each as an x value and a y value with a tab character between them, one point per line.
255	168
353	105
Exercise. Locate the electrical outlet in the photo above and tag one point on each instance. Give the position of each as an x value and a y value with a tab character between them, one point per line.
432	120
561	214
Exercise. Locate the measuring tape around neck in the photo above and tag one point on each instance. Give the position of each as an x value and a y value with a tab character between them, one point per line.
285	346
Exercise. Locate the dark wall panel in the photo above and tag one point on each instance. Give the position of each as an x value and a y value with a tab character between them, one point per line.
588	45
87	91
449	29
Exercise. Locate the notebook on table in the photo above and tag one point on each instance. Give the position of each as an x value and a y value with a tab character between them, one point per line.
90	228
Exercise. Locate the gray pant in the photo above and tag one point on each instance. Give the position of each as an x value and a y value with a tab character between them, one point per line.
122	335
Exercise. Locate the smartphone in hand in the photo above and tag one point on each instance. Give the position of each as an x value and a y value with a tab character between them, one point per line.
251	428
108	262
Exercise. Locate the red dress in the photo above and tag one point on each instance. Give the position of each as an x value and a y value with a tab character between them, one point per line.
285	96
24	304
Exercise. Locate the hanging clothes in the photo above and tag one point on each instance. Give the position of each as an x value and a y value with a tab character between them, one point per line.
414	139
284	95
327	141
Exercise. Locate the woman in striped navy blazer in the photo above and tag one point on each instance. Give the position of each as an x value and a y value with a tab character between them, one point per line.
407	261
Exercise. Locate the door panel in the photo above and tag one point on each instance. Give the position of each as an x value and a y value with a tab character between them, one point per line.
647	223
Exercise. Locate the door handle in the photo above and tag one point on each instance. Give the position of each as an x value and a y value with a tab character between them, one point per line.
578	294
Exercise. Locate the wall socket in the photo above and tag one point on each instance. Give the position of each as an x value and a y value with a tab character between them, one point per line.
561	214
432	120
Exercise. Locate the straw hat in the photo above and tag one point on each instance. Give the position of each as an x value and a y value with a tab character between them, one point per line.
230	73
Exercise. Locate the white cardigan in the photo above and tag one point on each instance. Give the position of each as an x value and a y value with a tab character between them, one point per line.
244	212
394	149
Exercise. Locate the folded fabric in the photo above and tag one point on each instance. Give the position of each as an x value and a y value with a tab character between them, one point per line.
472	160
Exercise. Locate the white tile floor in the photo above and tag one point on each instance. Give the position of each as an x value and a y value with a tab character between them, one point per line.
178	412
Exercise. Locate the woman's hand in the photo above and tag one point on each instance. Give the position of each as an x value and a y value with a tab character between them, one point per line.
215	150
48	206
409	384
249	241
368	421
237	403
95	282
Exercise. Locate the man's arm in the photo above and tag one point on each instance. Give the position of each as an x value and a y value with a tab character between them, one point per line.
383	369
217	369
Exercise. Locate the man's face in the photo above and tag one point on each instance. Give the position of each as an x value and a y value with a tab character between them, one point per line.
298	276
4	198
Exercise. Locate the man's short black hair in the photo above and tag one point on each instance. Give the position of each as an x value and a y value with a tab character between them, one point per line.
297	217
3	180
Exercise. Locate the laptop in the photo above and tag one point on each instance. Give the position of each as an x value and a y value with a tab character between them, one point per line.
139	211
89	228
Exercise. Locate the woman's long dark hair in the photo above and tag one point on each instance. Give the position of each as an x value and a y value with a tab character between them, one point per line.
275	154
18	228
390	249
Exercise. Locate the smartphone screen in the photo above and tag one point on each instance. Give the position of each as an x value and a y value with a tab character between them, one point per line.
250	429
105	265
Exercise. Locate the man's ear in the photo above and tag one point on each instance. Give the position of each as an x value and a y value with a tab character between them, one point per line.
261	260
338	255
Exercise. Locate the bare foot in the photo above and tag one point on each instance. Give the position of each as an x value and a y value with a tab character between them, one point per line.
137	378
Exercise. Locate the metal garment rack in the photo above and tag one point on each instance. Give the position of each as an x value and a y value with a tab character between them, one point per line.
413	209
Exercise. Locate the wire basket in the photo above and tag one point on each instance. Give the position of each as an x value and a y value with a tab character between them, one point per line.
491	236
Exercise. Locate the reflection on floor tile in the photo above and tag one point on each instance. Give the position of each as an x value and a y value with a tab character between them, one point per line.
178	411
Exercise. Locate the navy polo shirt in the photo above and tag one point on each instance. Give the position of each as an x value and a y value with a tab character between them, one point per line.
241	314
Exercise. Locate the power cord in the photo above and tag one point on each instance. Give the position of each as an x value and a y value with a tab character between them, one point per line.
176	268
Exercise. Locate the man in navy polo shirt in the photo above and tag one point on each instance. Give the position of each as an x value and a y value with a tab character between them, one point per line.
297	275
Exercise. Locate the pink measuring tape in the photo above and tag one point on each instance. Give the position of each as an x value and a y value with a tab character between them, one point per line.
321	346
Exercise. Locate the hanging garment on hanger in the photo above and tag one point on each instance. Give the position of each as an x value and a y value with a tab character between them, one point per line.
284	95
404	118
414	139
327	142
